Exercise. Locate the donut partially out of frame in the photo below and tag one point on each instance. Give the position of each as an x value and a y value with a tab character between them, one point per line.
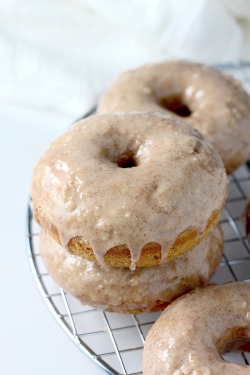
129	189
194	331
212	102
122	290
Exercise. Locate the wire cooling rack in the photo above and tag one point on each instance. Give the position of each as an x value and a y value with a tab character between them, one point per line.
115	341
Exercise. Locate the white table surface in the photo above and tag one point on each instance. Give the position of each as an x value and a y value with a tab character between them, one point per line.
31	341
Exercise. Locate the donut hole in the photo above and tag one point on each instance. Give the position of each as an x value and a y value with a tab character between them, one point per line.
126	160
236	357
175	104
234	351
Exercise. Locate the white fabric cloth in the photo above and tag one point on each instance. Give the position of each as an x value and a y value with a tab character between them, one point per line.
59	55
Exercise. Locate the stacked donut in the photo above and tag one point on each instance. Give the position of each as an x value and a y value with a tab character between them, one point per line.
129	202
129	205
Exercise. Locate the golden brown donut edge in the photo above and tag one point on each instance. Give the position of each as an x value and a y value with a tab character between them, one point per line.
119	256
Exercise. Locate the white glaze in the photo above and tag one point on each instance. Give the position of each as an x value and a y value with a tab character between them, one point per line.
220	106
191	332
178	183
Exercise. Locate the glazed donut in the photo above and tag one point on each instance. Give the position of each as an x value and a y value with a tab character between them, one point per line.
193	332
129	189
212	102
121	290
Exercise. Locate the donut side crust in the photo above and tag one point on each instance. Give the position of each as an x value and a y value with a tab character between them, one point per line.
56	260
119	256
161	305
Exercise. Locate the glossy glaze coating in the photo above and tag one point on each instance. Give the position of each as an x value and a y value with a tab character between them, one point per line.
193	331
80	185
212	102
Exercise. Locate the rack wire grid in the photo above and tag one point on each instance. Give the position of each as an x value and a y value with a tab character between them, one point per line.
115	341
